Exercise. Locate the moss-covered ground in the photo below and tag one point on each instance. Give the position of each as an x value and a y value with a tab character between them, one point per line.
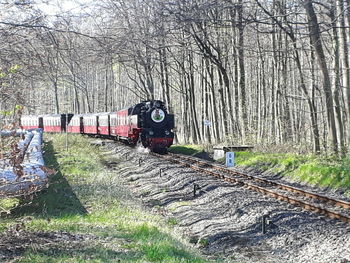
86	215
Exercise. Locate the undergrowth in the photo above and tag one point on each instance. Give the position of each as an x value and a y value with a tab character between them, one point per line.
88	202
316	170
189	149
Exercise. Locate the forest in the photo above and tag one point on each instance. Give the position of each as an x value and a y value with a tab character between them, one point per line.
271	73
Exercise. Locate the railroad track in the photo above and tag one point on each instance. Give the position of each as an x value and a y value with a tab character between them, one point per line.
332	208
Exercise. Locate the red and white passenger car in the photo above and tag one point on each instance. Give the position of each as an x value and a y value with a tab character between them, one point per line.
90	124
76	124
31	122
104	124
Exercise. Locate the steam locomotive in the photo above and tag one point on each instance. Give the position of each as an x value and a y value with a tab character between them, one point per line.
148	123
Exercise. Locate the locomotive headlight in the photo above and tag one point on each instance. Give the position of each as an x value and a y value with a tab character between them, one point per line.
167	132
151	132
157	104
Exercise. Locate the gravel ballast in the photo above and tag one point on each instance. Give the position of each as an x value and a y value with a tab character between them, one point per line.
224	219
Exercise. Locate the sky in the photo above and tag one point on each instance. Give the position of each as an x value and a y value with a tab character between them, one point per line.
60	7
12	10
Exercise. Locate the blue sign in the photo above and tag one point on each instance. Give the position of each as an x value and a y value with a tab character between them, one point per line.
230	159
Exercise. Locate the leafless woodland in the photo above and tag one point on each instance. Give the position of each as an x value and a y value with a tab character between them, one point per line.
268	73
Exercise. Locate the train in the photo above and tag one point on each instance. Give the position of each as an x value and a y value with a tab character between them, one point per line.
148	123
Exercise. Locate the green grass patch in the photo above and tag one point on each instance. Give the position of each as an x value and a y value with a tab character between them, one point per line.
87	216
316	170
186	149
172	221
8	203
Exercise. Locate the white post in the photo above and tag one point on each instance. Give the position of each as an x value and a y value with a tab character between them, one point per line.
230	159
66	131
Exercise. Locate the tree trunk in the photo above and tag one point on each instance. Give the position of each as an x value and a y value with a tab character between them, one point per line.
337	91
57	105
345	50
315	36
242	85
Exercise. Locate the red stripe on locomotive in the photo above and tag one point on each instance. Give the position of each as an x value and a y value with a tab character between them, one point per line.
155	143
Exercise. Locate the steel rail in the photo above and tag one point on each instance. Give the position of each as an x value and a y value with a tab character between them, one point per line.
279	196
332	201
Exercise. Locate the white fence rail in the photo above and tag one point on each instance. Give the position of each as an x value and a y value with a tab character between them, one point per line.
32	176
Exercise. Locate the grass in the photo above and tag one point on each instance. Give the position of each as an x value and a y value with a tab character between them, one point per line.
172	221
186	149
7	204
87	217
316	170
